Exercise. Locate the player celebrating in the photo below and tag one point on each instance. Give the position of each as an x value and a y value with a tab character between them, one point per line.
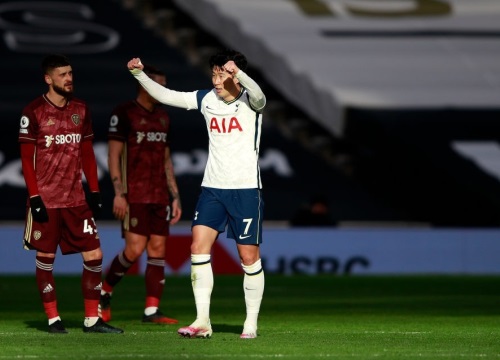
56	145
231	187
143	178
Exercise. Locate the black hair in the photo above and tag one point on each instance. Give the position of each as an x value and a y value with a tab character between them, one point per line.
54	61
222	57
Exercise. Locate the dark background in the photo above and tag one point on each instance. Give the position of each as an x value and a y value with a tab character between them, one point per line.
398	165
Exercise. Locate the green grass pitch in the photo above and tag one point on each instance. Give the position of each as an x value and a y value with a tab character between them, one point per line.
302	317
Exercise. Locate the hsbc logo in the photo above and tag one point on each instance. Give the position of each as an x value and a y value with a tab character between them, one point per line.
316	265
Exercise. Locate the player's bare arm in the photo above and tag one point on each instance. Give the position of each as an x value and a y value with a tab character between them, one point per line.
120	206
172	188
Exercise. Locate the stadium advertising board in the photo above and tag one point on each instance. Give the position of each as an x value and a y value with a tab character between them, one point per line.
335	252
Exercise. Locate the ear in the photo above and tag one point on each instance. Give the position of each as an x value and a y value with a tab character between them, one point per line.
48	79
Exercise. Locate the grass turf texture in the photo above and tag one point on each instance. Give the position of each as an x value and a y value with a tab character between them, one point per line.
302	317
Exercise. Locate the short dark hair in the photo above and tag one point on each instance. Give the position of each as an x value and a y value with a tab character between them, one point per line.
151	70
54	61
222	57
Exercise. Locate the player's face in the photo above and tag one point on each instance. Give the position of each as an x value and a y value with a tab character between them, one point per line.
224	83
61	80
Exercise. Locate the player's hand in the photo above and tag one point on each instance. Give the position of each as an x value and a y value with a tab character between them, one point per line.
120	207
231	67
134	64
38	209
176	211
95	203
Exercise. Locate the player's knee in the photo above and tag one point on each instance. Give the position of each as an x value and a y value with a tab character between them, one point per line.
95	254
133	252
253	268
249	259
156	247
201	247
156	252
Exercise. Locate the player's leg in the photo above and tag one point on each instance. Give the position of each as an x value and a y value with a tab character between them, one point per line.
91	289
79	235
47	290
155	281
135	245
209	220
202	281
245	226
135	230
46	247
253	287
158	217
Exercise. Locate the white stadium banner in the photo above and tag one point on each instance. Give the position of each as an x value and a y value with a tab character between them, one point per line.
303	251
326	55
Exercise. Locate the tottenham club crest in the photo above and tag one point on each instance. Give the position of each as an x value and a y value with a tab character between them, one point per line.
76	119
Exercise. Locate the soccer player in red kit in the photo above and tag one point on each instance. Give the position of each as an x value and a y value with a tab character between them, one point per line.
143	179
55	138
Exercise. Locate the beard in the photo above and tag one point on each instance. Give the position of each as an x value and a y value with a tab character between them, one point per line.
62	92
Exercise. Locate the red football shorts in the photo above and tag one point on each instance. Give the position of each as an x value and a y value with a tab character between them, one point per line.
72	229
147	219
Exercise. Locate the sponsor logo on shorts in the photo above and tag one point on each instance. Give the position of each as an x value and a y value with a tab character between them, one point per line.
244	237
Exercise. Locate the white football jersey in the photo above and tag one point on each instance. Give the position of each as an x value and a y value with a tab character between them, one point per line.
234	130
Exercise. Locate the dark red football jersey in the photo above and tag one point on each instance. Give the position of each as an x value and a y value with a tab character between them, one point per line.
145	137
57	133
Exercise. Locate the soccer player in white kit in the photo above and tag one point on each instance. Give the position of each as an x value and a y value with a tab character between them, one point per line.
231	187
